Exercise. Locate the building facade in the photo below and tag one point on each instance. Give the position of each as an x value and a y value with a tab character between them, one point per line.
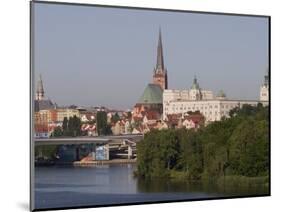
66	112
194	93
212	107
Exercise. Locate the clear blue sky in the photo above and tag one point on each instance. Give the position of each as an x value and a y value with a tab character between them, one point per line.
105	56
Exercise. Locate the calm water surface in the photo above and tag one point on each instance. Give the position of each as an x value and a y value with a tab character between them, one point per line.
115	184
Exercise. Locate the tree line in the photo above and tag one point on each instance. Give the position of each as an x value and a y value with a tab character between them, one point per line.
72	126
235	146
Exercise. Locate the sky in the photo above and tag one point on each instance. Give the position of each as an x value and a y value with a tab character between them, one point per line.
93	56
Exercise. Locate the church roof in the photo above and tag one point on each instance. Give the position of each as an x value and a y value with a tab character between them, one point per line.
152	95
44	104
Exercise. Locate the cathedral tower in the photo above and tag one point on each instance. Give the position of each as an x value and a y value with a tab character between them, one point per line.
160	76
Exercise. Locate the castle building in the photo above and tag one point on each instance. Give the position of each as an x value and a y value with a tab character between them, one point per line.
213	107
194	93
264	90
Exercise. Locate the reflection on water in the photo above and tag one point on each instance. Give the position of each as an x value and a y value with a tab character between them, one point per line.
211	189
115	184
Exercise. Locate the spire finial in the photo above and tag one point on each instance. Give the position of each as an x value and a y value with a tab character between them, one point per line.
195	84
160	60
195	79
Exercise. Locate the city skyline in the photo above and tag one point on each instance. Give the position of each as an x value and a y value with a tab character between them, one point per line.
234	61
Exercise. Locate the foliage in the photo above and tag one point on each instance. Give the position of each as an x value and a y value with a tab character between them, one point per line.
48	151
57	132
102	127
70	127
233	146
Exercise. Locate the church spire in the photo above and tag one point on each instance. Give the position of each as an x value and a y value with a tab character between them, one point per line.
160	76
160	59
40	89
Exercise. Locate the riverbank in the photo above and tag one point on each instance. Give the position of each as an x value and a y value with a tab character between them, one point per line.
233	181
104	162
85	163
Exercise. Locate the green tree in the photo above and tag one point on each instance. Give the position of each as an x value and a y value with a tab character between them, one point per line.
76	126
233	146
249	148
65	126
102	127
57	132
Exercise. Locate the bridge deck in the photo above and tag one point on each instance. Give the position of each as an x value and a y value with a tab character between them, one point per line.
85	140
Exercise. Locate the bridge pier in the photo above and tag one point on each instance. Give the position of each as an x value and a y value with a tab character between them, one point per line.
40	152
130	151
93	152
77	153
107	151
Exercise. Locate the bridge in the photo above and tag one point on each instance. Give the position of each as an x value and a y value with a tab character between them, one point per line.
87	139
107	143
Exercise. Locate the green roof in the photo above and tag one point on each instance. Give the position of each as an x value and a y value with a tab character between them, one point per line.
195	84
221	94
152	95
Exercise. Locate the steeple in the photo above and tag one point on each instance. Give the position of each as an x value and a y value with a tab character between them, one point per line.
160	59
160	76
40	89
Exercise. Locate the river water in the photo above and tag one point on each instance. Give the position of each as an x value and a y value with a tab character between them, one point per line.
57	187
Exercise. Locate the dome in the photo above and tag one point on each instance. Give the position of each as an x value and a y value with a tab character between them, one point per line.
221	94
195	84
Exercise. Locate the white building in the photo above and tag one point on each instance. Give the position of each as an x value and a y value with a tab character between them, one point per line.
195	93
195	99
